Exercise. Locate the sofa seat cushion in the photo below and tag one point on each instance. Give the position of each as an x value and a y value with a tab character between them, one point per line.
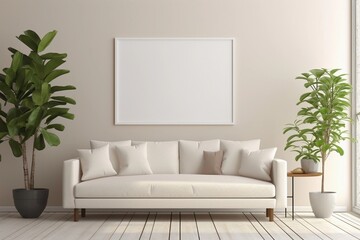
175	186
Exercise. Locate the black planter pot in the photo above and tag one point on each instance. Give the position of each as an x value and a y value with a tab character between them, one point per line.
30	203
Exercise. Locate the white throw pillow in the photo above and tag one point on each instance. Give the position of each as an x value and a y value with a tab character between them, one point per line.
257	164
95	163
232	154
112	149
133	160
163	157
192	153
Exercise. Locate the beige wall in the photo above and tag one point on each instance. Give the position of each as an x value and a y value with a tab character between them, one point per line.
275	40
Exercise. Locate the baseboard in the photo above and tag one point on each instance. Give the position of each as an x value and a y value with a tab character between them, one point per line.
61	209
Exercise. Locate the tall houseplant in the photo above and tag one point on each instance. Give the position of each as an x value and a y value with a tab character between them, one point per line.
31	104
321	122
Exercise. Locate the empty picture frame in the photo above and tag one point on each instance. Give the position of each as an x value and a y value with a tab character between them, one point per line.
174	81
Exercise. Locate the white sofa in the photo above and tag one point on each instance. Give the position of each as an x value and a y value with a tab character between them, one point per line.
176	182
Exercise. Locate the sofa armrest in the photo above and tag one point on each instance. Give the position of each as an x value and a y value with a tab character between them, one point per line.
71	177
279	179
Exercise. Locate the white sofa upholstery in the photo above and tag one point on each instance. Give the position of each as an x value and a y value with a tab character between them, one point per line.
174	184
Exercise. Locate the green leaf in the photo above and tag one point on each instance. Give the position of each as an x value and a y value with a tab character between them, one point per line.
317	72
3	134
15	148
58	127
10	76
62	88
41	96
54	55
16	61
57	111
33	35
54	74
64	99
339	150
28	42
34	118
52	65
334	70
68	116
39	142
50	138
12	50
46	40
305	95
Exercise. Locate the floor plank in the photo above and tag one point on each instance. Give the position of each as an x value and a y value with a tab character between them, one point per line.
84	229
146	234
4	216
136	226
289	231
179	226
259	228
161	227
32	230
355	232
119	231
301	230
175	226
14	222
45	233
189	229
349	218
206	227
108	227
234	226
272	228
333	232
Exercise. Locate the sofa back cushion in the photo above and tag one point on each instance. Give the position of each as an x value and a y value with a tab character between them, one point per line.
192	154
163	157
232	154
133	160
112	149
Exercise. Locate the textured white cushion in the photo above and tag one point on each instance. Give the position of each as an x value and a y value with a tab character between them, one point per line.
133	160
95	163
257	164
163	157
112	150
232	157
175	186
192	152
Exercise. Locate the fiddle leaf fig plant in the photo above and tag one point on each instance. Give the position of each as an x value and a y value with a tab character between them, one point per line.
31	102
320	126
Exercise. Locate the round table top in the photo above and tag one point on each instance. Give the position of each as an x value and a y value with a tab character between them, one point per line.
315	174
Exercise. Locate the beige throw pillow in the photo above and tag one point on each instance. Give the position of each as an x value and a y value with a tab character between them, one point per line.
257	164
212	162
95	163
133	160
192	154
112	149
232	154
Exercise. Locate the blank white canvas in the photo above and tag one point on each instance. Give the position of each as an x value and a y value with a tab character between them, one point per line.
174	81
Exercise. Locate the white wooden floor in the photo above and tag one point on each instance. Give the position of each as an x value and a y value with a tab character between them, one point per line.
185	226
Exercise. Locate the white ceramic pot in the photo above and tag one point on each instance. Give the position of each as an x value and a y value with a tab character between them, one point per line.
322	204
309	166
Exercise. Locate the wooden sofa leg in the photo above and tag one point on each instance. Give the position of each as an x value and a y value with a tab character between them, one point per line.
271	214
83	212
76	214
267	212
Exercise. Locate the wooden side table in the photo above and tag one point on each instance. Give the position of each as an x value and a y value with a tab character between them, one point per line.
292	196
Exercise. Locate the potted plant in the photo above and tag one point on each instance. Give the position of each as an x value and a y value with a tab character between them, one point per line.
321	126
302	142
30	105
